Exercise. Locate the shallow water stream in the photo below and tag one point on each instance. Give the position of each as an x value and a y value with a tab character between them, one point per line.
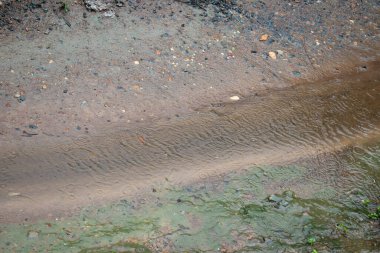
310	158
290	208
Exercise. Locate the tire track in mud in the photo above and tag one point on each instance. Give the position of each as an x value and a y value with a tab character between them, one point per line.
271	127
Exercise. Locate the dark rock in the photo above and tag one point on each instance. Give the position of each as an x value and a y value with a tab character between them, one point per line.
21	99
120	3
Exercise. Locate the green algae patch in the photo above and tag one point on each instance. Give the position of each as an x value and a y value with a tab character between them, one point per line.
257	210
119	247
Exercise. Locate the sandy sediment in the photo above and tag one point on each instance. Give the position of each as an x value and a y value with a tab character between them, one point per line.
83	95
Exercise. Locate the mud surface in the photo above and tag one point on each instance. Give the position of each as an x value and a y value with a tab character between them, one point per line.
218	119
266	128
163	59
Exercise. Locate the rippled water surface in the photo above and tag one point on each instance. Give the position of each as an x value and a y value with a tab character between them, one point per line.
290	208
311	164
268	127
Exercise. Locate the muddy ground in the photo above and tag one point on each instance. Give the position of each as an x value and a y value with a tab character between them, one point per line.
172	97
69	74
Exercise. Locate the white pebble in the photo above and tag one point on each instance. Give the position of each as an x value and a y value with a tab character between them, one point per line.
234	98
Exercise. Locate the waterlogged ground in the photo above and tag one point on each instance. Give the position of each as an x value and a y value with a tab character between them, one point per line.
327	203
96	107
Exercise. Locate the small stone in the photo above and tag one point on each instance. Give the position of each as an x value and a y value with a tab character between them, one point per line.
280	52
235	98
32	126
136	62
32	235
120	3
109	14
44	86
272	55
21	99
14	194
98	5
17	95
296	73
136	87
274	198
264	37
51	61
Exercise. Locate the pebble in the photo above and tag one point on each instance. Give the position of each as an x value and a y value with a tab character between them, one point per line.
44	86
97	5
264	37
235	98
109	14
137	62
21	99
17	95
296	73
272	55
32	235
14	194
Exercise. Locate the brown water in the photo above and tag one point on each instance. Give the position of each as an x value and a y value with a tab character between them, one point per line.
270	127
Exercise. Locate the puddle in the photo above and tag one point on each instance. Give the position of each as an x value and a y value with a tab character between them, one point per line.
288	208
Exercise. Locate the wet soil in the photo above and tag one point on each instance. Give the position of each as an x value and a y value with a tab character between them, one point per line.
323	203
267	128
98	106
160	60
